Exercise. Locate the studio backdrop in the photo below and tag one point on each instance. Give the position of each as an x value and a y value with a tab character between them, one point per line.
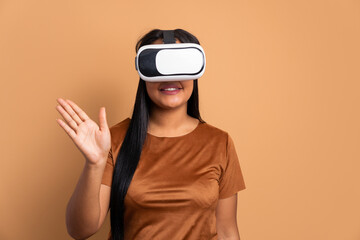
282	77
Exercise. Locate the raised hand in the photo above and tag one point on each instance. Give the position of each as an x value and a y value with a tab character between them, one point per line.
92	140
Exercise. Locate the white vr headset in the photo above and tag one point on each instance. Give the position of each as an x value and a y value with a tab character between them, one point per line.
170	61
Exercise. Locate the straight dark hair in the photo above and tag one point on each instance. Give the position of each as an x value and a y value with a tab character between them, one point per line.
130	151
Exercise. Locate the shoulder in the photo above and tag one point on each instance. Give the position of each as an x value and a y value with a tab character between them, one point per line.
119	130
122	125
211	133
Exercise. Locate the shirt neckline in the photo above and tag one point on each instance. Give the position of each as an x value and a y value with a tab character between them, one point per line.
181	136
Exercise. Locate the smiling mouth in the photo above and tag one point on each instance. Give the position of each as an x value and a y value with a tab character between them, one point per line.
170	89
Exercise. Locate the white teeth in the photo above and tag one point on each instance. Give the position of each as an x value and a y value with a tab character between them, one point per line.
170	89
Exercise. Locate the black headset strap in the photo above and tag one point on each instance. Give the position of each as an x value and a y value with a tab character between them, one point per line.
168	36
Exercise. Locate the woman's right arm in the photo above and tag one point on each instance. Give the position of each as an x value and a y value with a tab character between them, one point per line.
89	203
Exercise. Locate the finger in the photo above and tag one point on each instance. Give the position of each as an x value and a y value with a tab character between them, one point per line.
83	116
67	129
70	111
67	117
102	119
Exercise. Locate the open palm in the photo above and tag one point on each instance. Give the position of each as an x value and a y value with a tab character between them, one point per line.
92	140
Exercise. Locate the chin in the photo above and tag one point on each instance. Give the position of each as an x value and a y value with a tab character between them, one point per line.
171	105
168	107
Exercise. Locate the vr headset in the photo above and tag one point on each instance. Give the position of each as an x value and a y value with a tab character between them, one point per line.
170	61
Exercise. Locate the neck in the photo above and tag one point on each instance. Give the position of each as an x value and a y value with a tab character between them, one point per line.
171	122
168	118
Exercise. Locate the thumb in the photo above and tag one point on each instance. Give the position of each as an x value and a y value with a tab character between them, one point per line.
102	119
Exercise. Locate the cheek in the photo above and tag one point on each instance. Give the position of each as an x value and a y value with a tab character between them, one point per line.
151	89
189	86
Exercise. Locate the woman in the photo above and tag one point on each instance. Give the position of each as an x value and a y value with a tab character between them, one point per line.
187	171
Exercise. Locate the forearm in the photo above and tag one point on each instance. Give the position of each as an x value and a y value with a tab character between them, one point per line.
229	238
229	232
83	209
234	237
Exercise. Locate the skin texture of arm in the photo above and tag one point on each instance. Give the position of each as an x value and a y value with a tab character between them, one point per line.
89	200
88	206
226	223
105	192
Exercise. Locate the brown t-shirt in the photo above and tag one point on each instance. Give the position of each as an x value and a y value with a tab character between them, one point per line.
177	183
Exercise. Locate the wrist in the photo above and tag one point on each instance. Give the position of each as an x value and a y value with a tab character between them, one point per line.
95	166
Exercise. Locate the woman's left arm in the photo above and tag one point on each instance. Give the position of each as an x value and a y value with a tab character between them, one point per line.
226	222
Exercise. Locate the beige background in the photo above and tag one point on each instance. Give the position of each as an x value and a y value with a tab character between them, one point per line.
282	78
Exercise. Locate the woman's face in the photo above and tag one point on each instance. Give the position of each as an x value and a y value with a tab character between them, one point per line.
169	95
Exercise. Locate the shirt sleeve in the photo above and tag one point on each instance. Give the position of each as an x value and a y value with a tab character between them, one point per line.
108	171
232	179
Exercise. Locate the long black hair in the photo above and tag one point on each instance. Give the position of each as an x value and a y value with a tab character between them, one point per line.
130	151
